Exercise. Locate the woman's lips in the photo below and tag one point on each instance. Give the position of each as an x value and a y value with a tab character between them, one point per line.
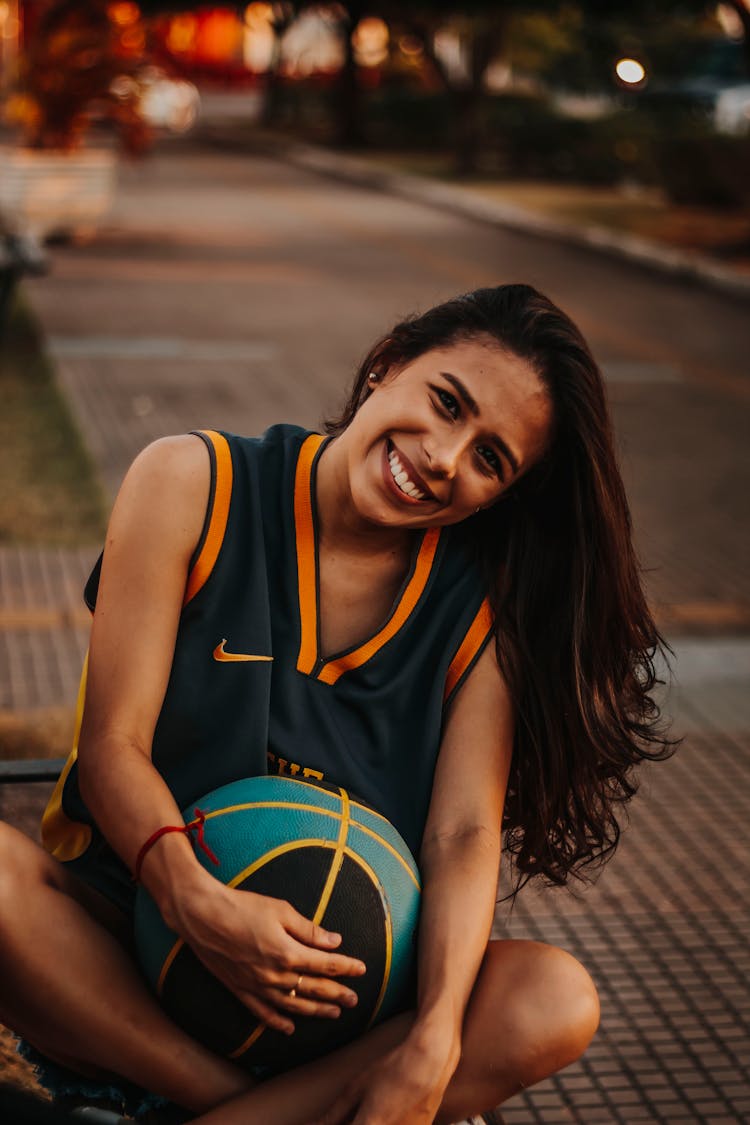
411	472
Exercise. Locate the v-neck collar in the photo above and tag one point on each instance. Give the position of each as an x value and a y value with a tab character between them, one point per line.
310	660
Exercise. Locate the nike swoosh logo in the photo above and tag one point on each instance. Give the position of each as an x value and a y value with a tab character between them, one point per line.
222	655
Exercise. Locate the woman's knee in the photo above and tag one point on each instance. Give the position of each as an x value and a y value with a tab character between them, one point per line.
28	875
534	1010
21	862
555	1012
26	871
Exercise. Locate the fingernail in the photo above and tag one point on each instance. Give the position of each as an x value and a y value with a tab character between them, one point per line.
333	1013
289	1029
334	938
350	999
361	967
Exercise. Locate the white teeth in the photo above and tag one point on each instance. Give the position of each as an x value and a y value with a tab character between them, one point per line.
401	477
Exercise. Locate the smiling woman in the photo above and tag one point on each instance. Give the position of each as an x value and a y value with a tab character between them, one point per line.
462	422
437	606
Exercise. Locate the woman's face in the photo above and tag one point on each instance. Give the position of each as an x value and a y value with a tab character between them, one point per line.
448	433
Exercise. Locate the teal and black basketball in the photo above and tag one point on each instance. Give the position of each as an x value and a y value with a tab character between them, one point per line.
337	862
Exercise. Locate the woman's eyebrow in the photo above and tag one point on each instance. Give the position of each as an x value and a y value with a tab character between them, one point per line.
470	403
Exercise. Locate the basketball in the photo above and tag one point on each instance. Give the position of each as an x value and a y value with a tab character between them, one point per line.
339	863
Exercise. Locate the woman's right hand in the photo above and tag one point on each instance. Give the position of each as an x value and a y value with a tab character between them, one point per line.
259	947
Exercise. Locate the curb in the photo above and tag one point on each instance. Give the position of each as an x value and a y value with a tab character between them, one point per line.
685	265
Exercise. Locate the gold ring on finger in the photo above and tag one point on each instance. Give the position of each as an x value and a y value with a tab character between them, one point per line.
298	985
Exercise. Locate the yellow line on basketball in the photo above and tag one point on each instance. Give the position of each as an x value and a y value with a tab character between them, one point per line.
388	932
168	965
272	805
389	848
332	813
338	859
252	1038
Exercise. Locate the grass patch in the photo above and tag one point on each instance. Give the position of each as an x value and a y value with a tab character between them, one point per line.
51	495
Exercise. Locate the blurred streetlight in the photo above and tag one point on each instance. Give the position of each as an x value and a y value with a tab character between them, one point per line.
630	73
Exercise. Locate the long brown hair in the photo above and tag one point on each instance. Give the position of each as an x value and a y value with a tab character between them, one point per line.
574	635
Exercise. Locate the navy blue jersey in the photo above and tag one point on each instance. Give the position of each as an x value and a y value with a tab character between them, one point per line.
250	691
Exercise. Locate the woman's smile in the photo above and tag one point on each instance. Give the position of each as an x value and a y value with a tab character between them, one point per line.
402	478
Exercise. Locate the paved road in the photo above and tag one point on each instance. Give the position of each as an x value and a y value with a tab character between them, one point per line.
269	282
236	292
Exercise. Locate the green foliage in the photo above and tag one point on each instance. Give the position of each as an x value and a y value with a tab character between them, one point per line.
414	119
710	170
527	138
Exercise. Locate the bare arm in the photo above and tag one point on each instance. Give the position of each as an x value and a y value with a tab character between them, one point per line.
255	944
460	861
155	525
460	856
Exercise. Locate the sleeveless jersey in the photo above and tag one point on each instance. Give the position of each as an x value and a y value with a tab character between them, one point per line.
250	691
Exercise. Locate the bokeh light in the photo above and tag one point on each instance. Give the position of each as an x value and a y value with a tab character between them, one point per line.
630	72
370	40
182	33
124	13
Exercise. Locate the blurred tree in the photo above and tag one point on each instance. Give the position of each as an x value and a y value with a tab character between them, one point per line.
350	131
481	30
283	16
570	43
81	66
572	50
577	38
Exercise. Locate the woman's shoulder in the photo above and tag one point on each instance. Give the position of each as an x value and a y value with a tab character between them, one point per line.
269	455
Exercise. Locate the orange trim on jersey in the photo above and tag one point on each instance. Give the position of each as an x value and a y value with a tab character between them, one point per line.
469	647
217	526
413	592
306	569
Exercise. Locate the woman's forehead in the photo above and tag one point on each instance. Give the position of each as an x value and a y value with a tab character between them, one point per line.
485	368
496	386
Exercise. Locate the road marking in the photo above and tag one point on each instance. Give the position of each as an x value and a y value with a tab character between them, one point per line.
159	347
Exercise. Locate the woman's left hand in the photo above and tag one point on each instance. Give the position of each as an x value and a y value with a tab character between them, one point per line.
405	1087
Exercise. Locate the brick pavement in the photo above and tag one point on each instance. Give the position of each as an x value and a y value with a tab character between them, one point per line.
179	316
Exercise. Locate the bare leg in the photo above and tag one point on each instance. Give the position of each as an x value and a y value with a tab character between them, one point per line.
70	988
534	1010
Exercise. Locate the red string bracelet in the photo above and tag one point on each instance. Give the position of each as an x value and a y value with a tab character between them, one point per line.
193	826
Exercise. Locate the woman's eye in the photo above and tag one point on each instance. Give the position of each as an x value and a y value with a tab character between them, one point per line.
448	401
491	458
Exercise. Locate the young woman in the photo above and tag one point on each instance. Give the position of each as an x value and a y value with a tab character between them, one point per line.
438	607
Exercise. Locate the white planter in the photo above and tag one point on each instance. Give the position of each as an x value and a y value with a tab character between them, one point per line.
44	193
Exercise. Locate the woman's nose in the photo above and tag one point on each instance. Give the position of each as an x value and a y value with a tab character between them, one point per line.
443	457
